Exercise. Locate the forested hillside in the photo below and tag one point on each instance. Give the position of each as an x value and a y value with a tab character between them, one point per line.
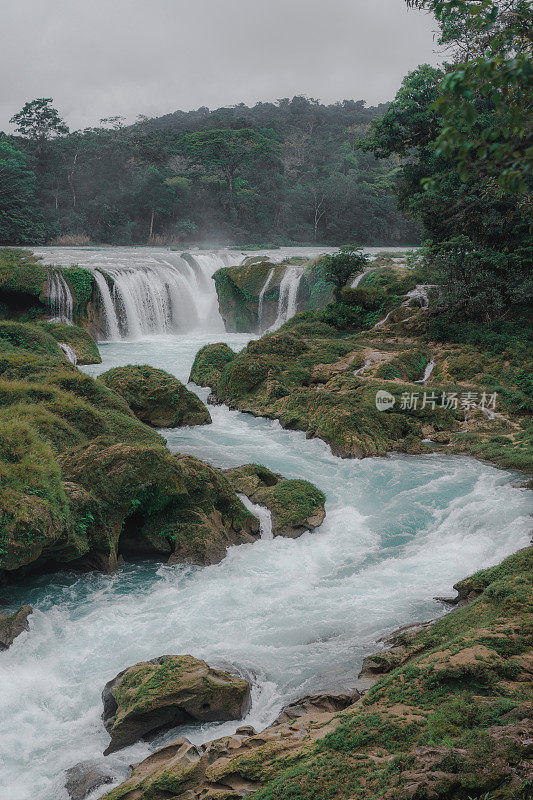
280	173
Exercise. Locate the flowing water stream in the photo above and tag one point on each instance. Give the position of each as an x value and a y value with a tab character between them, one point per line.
292	615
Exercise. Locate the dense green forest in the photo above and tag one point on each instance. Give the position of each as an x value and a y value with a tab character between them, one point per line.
281	173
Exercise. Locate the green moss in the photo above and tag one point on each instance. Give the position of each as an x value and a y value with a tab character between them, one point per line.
78	470
81	342
292	501
156	397
21	272
209	362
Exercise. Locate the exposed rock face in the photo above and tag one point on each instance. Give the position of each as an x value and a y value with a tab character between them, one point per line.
12	625
156	397
398	648
83	778
167	691
296	505
327	702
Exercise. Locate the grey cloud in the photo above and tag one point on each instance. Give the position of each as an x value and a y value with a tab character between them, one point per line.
131	57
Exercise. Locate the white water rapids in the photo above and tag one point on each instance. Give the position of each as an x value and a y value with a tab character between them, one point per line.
293	615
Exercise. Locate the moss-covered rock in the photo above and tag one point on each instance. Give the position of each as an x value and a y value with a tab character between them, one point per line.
156	397
82	480
296	505
209	362
321	375
167	691
80	341
248	294
26	289
12	625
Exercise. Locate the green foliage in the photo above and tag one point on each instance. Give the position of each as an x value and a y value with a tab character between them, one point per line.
21	220
492	44
277	172
479	250
337	269
39	121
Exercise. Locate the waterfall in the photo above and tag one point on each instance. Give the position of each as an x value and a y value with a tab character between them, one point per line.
69	352
112	329
261	294
288	292
60	298
161	293
430	366
263	515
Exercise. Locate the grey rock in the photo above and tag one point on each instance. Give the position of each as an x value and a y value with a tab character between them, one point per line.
12	625
83	778
320	703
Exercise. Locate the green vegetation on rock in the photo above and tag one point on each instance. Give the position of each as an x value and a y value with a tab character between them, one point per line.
209	362
81	478
156	397
296	505
167	691
81	342
448	718
321	371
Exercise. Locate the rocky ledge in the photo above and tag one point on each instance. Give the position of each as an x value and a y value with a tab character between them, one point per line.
168	691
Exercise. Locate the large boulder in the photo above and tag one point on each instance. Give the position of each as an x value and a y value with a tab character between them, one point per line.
12	625
156	397
168	691
296	505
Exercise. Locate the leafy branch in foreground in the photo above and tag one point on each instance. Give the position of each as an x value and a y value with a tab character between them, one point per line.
492	47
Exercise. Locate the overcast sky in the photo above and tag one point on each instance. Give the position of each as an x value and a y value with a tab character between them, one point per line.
99	58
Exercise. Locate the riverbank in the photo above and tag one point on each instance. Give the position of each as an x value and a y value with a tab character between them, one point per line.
369	377
451	720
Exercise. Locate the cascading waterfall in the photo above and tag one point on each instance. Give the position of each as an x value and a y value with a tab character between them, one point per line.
157	293
69	352
261	295
112	330
262	513
60	298
288	293
430	366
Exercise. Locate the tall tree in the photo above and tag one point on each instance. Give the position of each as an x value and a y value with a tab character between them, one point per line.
39	121
491	46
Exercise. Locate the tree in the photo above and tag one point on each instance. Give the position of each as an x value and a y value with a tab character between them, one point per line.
20	218
225	153
338	268
39	121
491	42
479	232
